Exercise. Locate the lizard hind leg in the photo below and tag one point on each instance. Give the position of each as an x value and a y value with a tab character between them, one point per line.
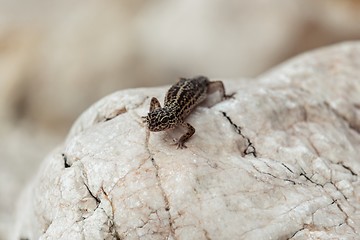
218	86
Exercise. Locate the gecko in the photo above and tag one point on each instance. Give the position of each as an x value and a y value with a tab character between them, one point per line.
179	102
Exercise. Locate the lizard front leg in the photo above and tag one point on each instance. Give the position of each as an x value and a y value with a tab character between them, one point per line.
186	136
154	104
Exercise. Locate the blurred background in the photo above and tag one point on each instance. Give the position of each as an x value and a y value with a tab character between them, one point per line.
59	57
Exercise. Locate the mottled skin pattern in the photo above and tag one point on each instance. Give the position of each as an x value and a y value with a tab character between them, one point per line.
180	100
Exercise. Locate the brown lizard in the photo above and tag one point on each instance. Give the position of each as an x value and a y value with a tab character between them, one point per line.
179	101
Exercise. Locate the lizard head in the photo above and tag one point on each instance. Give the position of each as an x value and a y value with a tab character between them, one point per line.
160	119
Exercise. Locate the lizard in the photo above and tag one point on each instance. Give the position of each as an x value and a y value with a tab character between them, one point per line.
180	100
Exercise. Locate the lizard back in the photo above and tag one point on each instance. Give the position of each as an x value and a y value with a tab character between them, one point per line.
185	95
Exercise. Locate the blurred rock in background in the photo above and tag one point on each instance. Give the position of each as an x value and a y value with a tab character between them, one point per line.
58	57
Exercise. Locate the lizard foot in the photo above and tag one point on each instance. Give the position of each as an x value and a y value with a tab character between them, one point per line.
179	144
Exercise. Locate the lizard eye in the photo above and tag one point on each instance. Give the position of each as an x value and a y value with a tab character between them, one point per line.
165	120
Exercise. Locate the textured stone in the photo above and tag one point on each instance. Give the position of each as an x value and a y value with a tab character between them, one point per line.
56	58
280	160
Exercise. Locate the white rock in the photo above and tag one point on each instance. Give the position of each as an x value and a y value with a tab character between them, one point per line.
278	161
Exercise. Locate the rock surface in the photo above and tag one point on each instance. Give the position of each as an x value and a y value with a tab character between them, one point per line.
280	160
58	57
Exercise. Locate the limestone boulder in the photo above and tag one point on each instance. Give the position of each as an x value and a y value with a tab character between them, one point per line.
279	160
